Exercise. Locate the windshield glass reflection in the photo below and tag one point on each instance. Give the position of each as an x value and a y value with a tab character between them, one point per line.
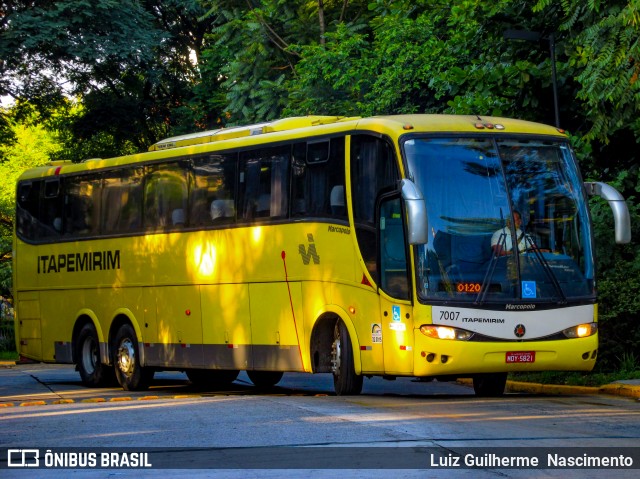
507	220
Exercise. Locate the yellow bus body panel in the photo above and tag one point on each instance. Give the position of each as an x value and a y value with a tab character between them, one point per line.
250	296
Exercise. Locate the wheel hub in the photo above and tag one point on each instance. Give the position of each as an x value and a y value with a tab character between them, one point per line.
89	355
126	357
335	356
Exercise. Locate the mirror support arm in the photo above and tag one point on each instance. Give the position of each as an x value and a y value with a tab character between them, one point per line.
618	206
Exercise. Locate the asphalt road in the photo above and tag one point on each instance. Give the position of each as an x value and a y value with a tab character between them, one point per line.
47	407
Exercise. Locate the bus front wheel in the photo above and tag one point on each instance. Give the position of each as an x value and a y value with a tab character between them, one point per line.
489	385
92	372
131	375
345	380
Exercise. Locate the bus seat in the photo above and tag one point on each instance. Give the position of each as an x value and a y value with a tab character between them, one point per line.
57	224
177	217
337	200
222	209
229	208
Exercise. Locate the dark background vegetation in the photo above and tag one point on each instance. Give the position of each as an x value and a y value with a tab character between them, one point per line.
100	78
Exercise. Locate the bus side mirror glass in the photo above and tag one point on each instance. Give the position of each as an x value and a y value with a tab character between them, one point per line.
620	210
417	228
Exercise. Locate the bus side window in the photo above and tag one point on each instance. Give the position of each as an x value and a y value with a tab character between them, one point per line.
165	196
28	225
213	189
318	179
82	197
393	249
51	209
264	183
122	201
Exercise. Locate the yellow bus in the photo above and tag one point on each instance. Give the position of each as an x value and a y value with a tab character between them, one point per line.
427	246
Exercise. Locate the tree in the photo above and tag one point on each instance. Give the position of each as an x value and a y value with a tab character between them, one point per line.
261	43
603	50
130	63
33	146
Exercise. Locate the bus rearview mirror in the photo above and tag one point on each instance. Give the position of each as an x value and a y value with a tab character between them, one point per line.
621	218
417	227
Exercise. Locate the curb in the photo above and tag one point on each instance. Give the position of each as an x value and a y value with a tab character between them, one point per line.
619	389
614	389
94	400
557	389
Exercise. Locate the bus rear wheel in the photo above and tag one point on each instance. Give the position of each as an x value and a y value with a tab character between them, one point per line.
489	385
92	372
129	372
212	377
265	379
345	380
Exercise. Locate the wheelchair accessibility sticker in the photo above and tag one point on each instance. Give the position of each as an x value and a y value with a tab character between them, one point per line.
395	312
529	289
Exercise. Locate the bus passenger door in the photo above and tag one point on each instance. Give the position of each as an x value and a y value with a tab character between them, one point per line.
394	285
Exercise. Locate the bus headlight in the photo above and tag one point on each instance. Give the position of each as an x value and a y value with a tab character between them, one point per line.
581	330
445	332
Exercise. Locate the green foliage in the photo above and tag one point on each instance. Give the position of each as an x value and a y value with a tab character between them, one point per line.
604	51
330	79
131	63
591	379
618	277
32	146
262	43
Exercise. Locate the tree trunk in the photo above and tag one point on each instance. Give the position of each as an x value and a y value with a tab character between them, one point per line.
321	20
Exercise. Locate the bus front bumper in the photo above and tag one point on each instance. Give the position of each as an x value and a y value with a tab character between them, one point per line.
438	357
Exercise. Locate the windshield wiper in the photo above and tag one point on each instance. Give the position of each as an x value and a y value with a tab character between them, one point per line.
546	268
488	275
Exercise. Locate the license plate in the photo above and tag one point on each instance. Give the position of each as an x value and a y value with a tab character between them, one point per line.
520	357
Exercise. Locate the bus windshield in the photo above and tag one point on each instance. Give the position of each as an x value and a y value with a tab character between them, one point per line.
507	220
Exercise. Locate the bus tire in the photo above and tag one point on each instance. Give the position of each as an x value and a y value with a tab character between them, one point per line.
212	377
129	372
265	379
92	372
489	385
345	380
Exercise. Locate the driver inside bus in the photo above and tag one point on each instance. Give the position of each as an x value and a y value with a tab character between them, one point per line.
502	242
